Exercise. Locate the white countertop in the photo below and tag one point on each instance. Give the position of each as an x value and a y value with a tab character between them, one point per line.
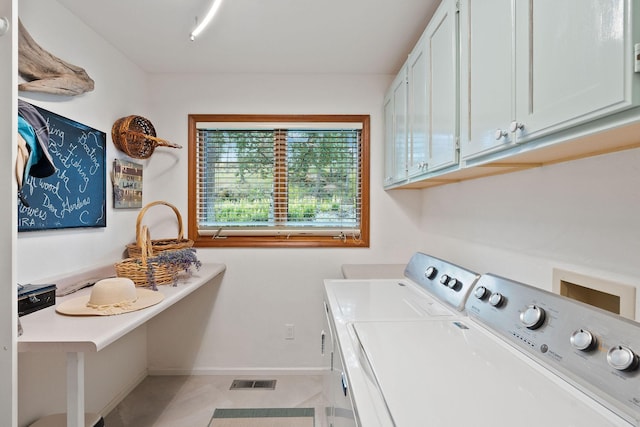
47	330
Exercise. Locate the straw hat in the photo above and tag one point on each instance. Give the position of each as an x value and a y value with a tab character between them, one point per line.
116	295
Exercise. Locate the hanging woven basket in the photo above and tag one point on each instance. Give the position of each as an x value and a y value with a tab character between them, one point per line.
136	136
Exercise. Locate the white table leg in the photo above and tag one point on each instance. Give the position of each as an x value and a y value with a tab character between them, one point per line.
75	389
75	416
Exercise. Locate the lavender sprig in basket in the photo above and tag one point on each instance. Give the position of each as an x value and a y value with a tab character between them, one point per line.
180	260
161	269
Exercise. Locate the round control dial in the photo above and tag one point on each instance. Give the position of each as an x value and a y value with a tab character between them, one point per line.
622	358
481	292
583	340
532	317
444	279
454	284
496	299
430	272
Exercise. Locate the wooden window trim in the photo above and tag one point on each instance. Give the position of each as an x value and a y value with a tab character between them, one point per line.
278	241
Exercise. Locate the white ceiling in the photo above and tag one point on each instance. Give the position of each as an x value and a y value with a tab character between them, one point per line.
261	36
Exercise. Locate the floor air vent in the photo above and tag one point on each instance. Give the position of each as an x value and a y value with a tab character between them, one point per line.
253	385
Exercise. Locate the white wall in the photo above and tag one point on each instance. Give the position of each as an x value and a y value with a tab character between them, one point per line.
582	216
264	289
120	90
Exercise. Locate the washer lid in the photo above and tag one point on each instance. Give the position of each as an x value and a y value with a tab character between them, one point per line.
454	373
385	300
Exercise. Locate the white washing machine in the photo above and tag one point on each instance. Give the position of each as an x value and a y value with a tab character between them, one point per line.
431	289
522	357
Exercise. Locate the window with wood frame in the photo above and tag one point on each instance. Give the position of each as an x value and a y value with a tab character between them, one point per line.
279	180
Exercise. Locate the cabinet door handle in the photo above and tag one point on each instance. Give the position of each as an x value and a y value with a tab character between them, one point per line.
514	126
323	336
501	134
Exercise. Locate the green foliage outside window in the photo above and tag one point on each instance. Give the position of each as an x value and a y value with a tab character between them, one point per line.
321	177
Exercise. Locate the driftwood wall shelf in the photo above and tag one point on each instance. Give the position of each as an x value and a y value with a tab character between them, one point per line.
47	73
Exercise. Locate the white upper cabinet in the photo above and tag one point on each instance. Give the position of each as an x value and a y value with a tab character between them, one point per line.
572	62
396	130
429	121
487	80
389	158
417	66
433	94
495	86
441	38
534	67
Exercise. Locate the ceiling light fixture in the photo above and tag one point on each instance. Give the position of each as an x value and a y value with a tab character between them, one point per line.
207	19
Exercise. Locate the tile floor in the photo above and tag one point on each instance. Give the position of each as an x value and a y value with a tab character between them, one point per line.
189	401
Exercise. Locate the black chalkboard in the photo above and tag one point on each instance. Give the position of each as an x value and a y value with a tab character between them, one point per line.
74	196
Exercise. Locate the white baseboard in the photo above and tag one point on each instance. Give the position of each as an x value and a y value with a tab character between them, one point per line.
240	371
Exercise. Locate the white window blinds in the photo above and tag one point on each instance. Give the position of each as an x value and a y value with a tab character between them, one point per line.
279	179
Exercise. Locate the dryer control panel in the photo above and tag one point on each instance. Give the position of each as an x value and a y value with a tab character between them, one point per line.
449	282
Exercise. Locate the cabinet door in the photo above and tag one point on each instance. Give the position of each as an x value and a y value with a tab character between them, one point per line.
418	153
572	62
389	141
396	129
487	75
441	37
400	133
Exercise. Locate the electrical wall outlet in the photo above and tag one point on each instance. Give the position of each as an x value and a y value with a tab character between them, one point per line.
289	331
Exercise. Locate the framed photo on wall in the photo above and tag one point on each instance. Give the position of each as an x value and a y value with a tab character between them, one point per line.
127	184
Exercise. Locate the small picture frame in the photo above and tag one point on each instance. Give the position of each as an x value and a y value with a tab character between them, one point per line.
127	184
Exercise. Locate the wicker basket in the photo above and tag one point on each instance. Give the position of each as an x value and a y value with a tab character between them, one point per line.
136	136
159	245
137	268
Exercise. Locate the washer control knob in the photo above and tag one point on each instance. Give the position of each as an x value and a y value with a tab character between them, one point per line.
481	292
454	284
583	340
622	358
430	272
496	299
532	317
444	279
